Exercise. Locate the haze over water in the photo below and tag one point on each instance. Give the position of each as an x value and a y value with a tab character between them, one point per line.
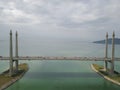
59	75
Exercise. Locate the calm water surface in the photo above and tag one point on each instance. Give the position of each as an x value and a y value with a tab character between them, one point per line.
59	75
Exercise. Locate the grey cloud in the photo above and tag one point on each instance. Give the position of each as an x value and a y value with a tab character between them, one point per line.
88	15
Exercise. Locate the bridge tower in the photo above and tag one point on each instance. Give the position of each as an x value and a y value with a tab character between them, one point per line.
11	55
113	51
16	52
106	53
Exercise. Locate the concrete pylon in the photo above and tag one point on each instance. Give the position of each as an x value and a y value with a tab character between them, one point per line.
113	52
16	52
11	55
106	52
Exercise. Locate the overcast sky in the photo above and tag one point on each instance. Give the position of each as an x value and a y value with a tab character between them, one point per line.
71	19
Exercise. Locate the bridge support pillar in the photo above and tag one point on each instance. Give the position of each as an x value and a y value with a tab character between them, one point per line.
11	56
113	51
106	53
16	66
16	53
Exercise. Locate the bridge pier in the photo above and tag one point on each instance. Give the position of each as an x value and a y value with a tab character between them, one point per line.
16	53
11	55
11	71
106	53
113	51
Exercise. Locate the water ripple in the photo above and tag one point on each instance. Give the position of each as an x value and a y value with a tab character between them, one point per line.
61	74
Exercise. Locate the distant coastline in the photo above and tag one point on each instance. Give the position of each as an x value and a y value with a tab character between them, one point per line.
117	41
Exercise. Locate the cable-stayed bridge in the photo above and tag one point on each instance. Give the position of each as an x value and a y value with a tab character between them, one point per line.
16	58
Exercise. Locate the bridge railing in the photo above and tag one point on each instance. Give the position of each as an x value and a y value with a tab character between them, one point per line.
58	58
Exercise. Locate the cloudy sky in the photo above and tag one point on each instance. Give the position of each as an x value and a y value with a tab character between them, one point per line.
69	19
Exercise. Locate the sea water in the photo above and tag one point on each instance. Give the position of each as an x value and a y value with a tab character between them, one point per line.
59	75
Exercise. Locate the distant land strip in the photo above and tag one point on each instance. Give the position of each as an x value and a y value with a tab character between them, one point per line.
116	40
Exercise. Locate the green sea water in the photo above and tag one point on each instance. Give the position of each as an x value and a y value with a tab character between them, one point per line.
59	75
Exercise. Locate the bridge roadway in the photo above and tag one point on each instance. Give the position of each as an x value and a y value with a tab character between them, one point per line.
58	58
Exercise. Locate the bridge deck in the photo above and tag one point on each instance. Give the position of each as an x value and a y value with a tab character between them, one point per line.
58	58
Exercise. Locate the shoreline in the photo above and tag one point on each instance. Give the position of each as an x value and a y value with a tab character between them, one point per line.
13	80
104	76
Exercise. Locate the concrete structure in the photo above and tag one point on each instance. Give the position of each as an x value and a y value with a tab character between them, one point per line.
59	58
11	71
16	53
113	51
11	56
106	53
